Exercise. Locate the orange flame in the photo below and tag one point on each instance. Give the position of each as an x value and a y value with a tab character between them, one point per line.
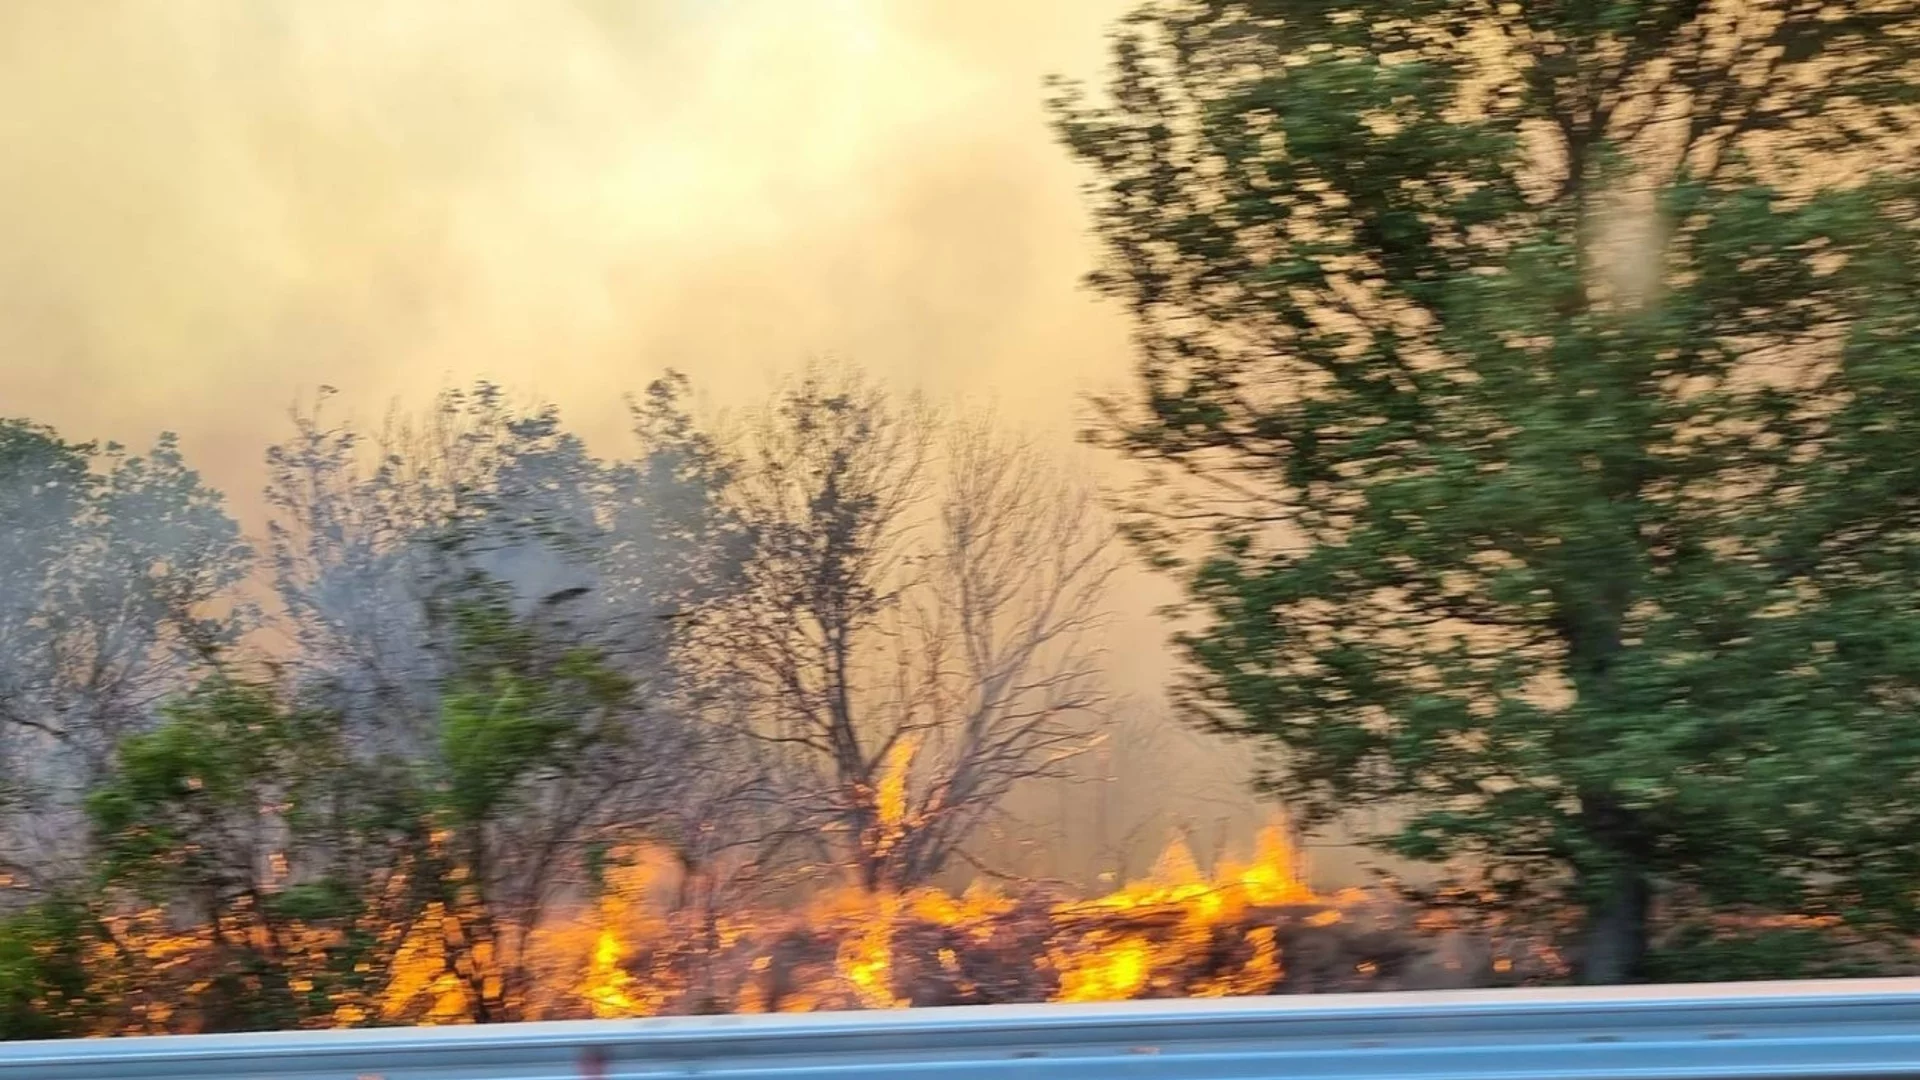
1092	962
1179	931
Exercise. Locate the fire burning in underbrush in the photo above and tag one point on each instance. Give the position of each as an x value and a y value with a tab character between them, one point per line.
1251	927
1247	928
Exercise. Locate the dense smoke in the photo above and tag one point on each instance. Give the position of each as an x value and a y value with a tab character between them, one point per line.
215	210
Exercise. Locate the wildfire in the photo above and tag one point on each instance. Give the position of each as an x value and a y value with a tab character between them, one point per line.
421	972
1105	965
639	948
866	957
1132	942
1138	940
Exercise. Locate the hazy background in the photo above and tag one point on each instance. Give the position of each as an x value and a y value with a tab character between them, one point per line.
210	207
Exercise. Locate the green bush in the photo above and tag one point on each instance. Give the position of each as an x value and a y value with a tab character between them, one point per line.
43	974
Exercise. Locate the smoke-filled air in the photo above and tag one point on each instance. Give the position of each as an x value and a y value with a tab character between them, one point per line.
608	508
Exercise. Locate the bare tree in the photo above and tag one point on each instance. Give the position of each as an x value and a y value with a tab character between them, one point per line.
831	472
1019	571
915	633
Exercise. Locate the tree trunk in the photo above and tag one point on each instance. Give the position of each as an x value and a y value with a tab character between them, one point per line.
1614	945
1618	892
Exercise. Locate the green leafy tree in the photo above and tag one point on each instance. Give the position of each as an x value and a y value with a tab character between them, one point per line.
1544	382
199	817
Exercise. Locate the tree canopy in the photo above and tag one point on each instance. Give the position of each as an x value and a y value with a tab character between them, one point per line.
1542	381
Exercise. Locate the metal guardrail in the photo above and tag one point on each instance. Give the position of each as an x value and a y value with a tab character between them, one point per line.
1755	1031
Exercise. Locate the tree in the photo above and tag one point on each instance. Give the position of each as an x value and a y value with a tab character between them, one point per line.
118	588
541	749
498	619
1542	379
197	818
374	536
912	637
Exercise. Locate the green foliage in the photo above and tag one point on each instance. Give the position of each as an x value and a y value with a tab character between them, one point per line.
1601	569
326	900
1701	954
43	974
188	820
490	738
167	815
516	713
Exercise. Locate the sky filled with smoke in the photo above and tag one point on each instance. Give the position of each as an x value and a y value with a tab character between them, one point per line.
209	209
